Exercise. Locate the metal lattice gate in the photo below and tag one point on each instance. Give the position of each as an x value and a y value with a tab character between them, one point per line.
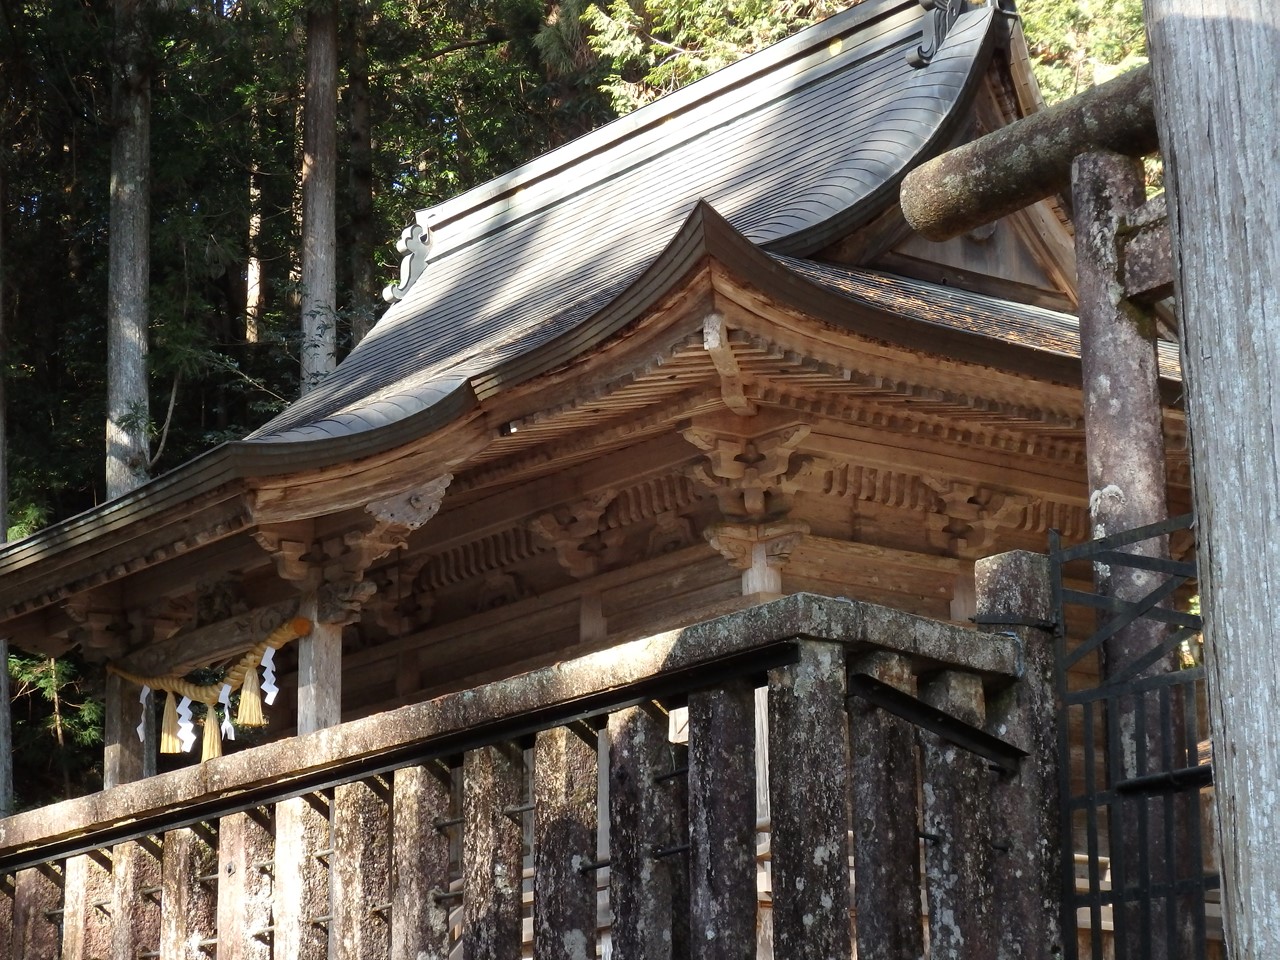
1136	780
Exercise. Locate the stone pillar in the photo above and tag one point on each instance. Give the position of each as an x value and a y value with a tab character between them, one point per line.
809	802
1013	589
957	828
361	866
420	864
722	821
886	847
564	840
492	844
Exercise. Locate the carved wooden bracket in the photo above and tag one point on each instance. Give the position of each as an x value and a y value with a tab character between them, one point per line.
971	515
103	634
751	479
760	550
715	340
403	604
573	531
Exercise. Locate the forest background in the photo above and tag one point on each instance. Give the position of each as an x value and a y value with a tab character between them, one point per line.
432	97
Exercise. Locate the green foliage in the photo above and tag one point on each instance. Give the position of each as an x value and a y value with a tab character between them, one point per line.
1075	44
57	729
655	47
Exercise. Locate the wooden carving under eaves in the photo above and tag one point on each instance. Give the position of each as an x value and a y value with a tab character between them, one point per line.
970	515
752	479
332	568
574	532
102	633
760	550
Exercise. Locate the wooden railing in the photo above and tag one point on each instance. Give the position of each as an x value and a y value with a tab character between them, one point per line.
412	833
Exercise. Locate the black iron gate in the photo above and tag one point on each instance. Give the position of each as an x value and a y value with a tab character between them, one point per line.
1133	738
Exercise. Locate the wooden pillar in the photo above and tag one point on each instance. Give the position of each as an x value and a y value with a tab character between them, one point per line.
957	828
6	911
188	904
722	821
302	866
1014	590
809	803
1219	122
492	852
87	907
125	757
37	896
319	671
647	871
420	865
244	887
564	839
361	866
886	845
6	698
135	881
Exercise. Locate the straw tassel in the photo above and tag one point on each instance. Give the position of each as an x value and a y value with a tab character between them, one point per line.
250	712
212	734
169	726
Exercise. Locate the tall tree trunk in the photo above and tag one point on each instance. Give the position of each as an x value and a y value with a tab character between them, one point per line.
129	257
364	292
6	721
254	294
319	191
1218	112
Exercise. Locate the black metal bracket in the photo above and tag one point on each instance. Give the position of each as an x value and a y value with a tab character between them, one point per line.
985	620
966	736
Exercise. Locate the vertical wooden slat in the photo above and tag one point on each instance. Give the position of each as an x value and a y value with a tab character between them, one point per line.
244	887
648	894
957	827
6	910
87	908
886	848
420	865
492	853
188	905
302	878
565	818
37	895
361	870
722	821
135	920
808	789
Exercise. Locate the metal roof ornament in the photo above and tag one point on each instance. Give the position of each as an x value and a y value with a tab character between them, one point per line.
940	17
414	246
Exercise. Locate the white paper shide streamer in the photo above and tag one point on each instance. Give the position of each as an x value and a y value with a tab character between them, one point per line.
142	724
224	698
186	729
269	688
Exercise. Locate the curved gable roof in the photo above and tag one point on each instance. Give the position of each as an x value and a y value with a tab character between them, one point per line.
793	147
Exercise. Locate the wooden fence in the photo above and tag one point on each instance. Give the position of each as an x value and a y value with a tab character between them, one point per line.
486	821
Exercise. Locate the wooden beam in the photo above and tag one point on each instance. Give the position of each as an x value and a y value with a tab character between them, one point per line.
1006	170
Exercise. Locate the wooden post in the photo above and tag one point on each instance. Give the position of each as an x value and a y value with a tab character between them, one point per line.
493	784
1219	121
301	874
37	895
886	848
420	865
647	874
319	671
188	905
957	828
564	840
1014	589
809	803
135	918
124	754
6	697
244	887
361	897
87	908
722	821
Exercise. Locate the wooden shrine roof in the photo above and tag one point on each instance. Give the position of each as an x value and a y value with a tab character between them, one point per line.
794	147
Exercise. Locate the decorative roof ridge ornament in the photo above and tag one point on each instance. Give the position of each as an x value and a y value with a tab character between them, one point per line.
414	247
940	17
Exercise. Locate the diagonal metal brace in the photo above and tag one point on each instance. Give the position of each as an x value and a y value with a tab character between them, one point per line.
966	736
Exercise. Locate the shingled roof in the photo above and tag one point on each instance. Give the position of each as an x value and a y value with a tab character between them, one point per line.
793	147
